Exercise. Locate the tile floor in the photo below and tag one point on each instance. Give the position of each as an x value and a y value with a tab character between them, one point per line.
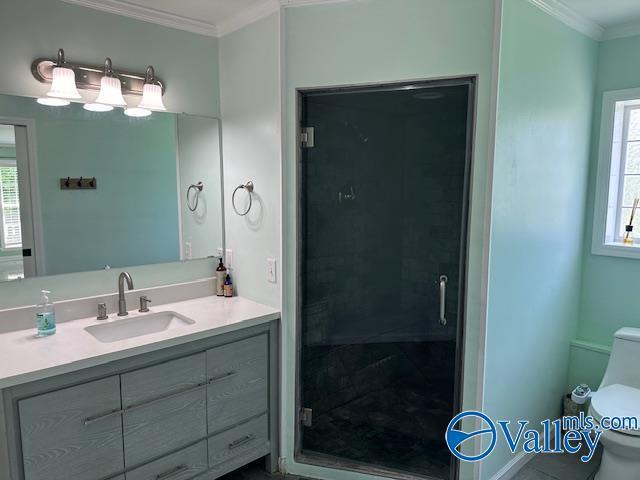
541	467
560	467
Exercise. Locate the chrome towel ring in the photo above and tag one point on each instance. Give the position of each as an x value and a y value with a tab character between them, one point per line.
249	188
197	188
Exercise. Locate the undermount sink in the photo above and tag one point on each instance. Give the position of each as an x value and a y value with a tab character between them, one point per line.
138	326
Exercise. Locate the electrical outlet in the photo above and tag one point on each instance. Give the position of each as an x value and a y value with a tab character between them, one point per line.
220	252
229	258
188	253
271	270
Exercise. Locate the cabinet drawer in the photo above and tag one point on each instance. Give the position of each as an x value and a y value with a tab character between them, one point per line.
181	465
238	376
239	445
71	434
164	408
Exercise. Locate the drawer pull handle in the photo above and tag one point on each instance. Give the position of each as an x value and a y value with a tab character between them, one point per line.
241	441
222	377
137	406
172	472
97	418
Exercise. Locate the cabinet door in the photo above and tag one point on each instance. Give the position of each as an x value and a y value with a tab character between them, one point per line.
164	408
73	433
238	379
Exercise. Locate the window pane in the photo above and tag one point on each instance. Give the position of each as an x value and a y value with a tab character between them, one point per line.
631	190
633	158
634	124
9	202
624	219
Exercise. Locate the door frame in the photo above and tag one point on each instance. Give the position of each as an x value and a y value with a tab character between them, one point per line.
328	461
32	194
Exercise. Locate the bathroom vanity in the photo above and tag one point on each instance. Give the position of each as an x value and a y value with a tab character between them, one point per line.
196	399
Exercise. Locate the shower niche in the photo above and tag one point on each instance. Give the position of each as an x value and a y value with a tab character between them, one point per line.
382	247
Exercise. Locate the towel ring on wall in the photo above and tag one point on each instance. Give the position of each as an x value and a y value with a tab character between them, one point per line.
249	188
197	188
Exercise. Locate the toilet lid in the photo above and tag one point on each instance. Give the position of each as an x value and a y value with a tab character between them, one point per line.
617	401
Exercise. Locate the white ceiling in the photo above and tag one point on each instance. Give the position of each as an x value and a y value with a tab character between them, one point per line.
607	13
6	135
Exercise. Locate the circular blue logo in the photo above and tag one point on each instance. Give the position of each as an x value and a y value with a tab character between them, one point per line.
456	437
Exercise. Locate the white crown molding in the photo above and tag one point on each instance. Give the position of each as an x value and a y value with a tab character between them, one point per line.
620	31
570	17
302	3
150	15
248	16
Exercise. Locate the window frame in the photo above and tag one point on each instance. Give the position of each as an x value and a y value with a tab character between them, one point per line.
614	127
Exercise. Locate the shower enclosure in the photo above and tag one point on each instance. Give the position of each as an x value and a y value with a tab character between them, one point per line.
384	189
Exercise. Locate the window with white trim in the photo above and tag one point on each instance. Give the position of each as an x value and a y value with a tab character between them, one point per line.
618	176
11	237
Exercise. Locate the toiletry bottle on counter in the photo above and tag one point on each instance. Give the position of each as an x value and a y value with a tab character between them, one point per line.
228	286
221	275
45	316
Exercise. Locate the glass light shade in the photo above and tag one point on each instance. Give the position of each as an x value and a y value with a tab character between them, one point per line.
152	98
63	84
53	102
111	92
137	112
97	107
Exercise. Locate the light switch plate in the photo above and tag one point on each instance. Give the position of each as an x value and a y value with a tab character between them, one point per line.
271	270
229	258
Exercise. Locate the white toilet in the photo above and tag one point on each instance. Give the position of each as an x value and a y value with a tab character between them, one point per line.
619	396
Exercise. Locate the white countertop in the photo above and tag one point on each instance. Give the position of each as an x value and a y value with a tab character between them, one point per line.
24	357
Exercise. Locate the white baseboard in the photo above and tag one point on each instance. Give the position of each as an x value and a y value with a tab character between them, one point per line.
516	464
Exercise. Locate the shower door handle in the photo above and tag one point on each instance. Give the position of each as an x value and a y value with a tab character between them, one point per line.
443	300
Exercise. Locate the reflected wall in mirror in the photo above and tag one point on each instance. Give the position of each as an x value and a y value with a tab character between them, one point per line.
137	214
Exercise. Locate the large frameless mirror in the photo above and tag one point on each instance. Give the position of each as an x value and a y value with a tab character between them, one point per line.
82	191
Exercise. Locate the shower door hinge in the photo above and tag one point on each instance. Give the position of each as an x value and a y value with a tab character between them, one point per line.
306	417
306	137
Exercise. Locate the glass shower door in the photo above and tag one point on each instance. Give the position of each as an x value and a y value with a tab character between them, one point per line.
382	250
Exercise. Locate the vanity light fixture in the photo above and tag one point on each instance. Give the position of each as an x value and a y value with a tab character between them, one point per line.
63	85
151	97
110	91
67	77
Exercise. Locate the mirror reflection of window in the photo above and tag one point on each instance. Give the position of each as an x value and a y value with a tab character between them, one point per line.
11	264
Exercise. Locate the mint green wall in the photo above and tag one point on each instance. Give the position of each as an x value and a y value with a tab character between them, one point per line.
609	298
545	97
348	43
251	133
187	62
132	218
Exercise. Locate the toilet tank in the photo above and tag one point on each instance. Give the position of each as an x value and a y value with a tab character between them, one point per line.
625	358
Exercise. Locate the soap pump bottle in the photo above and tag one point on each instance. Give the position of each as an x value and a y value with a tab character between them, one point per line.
221	274
45	316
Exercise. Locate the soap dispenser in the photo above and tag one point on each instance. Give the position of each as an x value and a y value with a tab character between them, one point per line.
45	316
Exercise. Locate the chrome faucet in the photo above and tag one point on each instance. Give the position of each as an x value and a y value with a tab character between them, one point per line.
122	302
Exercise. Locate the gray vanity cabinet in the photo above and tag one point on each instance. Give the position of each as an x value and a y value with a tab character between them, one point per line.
169	397
72	433
197	410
